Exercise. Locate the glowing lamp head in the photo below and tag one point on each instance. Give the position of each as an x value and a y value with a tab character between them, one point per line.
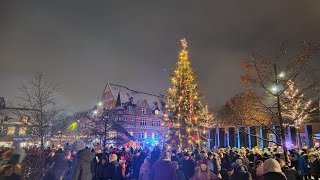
100	104
282	75
95	112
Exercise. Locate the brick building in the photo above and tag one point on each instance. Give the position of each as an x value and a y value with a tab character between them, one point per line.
141	112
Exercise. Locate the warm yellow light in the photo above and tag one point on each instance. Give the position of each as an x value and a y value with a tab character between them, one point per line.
188	129
204	131
189	141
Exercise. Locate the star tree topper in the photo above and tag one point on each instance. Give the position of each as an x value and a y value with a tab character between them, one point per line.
184	43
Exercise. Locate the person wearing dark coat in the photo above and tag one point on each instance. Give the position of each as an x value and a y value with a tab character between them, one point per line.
82	163
290	173
188	166
163	169
115	168
102	172
272	170
136	165
58	167
315	168
174	156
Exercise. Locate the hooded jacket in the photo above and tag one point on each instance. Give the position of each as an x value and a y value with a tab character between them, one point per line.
272	170
302	165
81	166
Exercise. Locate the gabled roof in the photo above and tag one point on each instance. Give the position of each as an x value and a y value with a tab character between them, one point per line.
138	97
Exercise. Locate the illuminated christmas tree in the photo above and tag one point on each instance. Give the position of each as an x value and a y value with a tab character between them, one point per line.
184	110
296	107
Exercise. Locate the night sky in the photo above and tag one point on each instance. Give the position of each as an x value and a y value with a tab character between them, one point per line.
84	44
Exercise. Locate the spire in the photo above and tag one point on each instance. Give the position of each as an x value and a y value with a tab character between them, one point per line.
118	103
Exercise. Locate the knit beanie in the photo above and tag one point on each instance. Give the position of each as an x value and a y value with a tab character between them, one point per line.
204	161
271	165
77	146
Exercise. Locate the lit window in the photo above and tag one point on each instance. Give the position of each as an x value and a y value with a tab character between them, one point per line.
24	119
145	135
144	111
152	123
156	112
143	122
11	130
152	135
158	123
22	131
140	134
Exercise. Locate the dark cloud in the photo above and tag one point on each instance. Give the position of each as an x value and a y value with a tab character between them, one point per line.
84	44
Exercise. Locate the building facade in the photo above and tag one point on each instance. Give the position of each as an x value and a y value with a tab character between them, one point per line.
141	115
15	127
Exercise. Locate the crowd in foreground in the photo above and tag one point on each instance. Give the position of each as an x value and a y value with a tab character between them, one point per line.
78	162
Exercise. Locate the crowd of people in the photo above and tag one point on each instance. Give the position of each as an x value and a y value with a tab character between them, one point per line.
78	162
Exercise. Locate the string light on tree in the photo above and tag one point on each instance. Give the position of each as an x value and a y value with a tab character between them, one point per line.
185	111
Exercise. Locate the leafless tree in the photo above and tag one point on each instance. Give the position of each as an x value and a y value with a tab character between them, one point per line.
40	97
268	77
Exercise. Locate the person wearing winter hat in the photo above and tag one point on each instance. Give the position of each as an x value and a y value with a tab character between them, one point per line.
188	165
203	172
272	170
241	173
101	171
180	175
210	161
81	163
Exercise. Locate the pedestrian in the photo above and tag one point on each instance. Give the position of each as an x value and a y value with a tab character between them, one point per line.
145	172
259	170
179	173
241	173
210	161
102	172
174	156
136	165
272	170
58	167
188	166
8	174
203	172
290	173
163	168
115	168
81	163
315	167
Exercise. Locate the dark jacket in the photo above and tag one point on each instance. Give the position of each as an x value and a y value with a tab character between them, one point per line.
136	165
291	174
115	171
188	167
81	166
315	168
175	158
274	176
180	175
60	166
102	172
163	169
